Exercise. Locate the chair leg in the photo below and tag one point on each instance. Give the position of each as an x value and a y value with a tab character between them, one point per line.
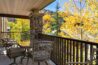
22	59
27	61
38	62
32	60
14	62
46	63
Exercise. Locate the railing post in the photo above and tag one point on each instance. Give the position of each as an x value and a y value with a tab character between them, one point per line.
97	56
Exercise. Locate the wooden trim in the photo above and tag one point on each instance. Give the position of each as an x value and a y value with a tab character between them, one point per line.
14	16
43	6
47	4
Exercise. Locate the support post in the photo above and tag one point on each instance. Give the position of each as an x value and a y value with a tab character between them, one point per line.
35	28
97	56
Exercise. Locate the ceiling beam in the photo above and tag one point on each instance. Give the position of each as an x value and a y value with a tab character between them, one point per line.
14	16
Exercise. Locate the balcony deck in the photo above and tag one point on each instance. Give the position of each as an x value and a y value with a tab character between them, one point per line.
66	51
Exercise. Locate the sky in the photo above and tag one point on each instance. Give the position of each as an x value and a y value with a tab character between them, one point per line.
52	6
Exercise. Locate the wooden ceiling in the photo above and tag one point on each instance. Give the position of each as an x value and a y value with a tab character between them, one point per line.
22	7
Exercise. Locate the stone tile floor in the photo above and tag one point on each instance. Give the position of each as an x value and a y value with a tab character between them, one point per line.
4	60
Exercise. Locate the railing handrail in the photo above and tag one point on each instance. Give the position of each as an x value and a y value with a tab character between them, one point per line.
68	50
82	41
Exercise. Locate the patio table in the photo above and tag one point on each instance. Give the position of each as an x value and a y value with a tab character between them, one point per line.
27	50
45	44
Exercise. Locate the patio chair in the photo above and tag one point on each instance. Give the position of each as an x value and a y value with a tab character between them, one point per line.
41	52
13	53
90	62
8	42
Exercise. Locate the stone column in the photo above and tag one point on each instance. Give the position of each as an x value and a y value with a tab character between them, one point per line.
31	30
35	27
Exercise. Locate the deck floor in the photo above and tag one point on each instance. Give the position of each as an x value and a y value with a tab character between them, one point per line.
4	60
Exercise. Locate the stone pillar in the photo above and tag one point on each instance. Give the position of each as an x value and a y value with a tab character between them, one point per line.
35	27
31	30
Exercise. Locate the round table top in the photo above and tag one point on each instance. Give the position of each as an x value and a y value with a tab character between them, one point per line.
44	41
25	46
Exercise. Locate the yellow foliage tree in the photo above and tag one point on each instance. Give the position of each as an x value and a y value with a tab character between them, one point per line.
19	27
80	21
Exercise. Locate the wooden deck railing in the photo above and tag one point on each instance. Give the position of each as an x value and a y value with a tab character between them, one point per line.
70	50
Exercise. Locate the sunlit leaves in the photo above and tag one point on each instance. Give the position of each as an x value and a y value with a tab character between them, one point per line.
80	17
47	17
19	26
49	24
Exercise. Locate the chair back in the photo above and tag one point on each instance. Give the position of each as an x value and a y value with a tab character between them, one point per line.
15	52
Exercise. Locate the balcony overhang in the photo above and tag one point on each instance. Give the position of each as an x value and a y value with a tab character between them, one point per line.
21	8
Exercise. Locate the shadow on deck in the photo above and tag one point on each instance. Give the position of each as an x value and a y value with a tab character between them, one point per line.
4	60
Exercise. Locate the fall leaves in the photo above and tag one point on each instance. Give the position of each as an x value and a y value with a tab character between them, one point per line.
49	24
77	22
19	29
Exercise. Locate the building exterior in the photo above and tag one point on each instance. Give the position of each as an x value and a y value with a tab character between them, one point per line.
3	26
